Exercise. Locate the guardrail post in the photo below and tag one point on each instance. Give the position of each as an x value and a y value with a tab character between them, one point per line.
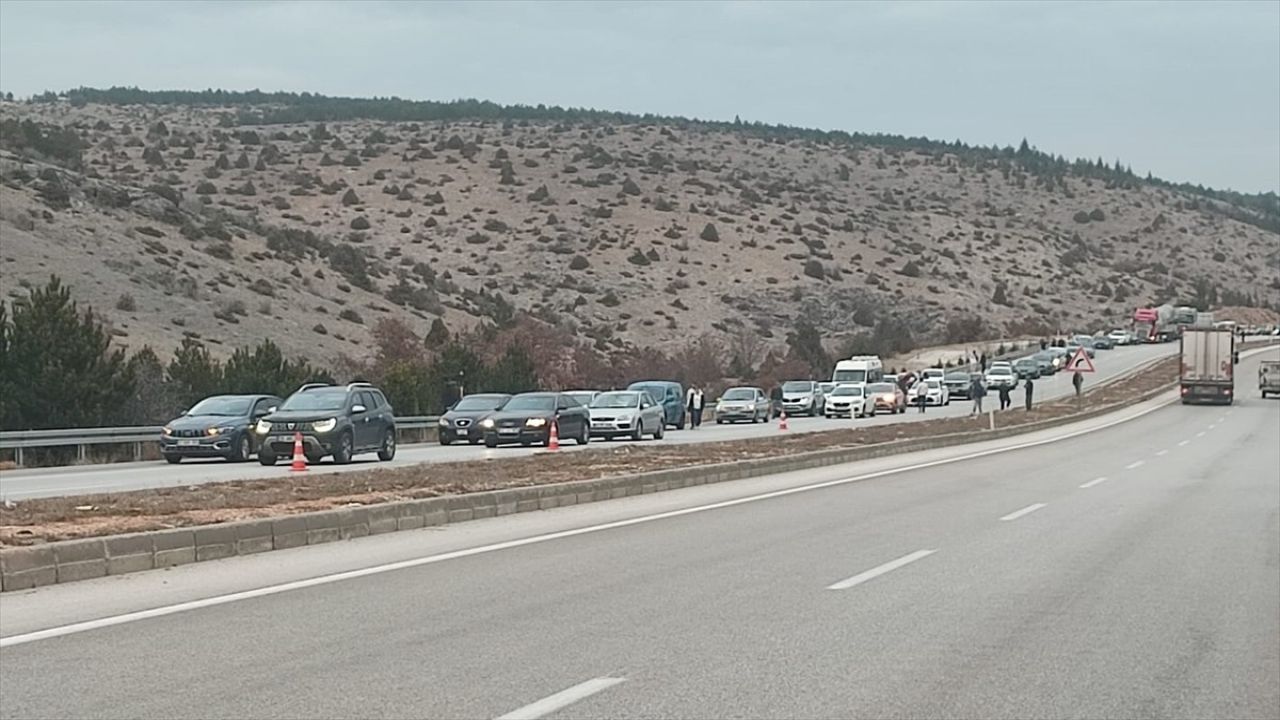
137	451
17	456
80	452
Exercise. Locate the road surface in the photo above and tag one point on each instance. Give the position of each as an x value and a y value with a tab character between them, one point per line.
1128	572
45	482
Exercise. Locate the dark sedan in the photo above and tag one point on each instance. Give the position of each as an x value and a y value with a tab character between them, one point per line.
527	419
462	422
958	384
218	426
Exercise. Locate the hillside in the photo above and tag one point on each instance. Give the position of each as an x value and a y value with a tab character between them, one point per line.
178	221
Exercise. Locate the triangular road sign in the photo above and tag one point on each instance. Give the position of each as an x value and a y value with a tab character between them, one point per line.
1080	362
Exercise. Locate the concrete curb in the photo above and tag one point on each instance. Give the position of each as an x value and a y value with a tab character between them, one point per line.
71	560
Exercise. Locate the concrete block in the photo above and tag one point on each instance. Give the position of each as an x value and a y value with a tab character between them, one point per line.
353	522
647	488
586	497
323	535
434	517
127	545
74	551
460	515
382	519
547	503
484	511
215	542
568	498
26	559
26	579
409	522
289	532
121	564
357	530
84	570
527	505
176	556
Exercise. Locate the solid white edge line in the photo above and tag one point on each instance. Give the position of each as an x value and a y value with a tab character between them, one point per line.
113	620
1024	511
1135	464
562	699
1091	483
879	570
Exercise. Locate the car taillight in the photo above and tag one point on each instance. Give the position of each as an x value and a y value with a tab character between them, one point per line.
1185	390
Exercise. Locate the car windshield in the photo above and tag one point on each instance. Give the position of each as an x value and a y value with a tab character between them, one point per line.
333	399
850	376
957	377
739	394
657	392
827	387
526	403
229	406
933	384
849	390
795	386
615	400
1001	371
582	397
480	402
880	388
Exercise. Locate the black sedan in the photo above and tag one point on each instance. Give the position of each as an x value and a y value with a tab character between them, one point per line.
958	384
218	426
462	422
527	419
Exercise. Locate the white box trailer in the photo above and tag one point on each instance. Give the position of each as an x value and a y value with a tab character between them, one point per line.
1208	365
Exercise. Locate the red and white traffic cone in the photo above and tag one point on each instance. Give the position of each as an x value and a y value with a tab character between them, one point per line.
553	441
299	457
782	421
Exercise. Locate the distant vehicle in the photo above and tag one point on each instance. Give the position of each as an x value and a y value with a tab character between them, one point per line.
933	373
1208	365
1103	342
584	397
1269	377
1060	357
527	419
1087	341
627	413
1027	367
850	400
1154	325
827	387
1072	347
802	397
461	423
1121	337
958	384
888	397
858	369
218	426
749	404
1047	362
670	395
341	421
934	391
1002	376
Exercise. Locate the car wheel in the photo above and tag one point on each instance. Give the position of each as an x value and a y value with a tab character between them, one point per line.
490	443
584	437
266	458
175	459
474	441
638	433
659	433
388	451
243	450
344	450
446	441
314	459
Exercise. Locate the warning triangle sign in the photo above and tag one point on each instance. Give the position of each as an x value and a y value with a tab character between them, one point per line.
1080	362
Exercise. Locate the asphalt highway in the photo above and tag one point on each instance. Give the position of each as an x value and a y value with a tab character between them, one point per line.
45	482
1128	572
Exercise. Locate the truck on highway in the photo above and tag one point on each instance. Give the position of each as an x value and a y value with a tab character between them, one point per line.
1269	378
1154	325
1208	364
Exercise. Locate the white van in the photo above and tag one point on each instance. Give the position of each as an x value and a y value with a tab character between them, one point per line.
858	369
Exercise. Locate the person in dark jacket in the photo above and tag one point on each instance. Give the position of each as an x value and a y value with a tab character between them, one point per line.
1030	389
1005	400
1077	381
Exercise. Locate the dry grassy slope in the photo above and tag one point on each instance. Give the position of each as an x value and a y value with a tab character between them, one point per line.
612	194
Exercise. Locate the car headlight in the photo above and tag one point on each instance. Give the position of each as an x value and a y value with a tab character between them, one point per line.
486	423
443	422
166	431
263	427
324	426
221	430
626	418
535	422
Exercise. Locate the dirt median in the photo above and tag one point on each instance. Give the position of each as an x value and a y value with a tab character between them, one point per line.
47	519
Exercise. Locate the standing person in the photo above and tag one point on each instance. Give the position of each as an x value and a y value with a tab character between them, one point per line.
1077	381
1030	389
696	406
977	392
689	396
1005	400
922	394
983	362
1044	344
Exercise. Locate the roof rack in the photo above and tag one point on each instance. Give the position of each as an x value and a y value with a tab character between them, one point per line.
359	384
312	386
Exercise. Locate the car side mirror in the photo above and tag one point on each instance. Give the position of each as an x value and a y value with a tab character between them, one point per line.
272	409
357	409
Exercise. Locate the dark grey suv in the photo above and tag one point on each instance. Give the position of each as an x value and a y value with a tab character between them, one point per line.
334	420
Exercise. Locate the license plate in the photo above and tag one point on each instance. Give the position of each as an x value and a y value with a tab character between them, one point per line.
509	431
282	439
188	443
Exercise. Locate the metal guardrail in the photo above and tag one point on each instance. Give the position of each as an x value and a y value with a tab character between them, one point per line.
83	438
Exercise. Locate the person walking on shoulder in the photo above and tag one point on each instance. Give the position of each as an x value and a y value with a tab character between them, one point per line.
977	392
1005	400
1030	389
696	405
1077	381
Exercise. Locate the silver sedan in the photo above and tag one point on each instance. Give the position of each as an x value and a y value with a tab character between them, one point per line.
626	413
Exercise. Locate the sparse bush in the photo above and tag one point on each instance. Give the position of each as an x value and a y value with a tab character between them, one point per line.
126	303
579	263
709	233
350	198
814	269
263	287
638	258
360	223
206	188
320	329
1097	215
1081	217
911	269
477	239
351	315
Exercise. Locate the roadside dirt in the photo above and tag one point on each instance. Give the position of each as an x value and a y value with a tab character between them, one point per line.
42	520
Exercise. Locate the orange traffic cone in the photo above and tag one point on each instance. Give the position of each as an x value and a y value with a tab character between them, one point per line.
782	421
299	457
553	442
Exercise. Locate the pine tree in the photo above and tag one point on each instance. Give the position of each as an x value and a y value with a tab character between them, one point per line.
193	373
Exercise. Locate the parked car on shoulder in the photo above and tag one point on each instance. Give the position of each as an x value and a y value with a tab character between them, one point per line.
851	401
668	394
743	404
934	391
802	397
888	397
626	413
958	383
1001	376
338	421
1046	361
462	421
527	418
584	397
218	426
1027	367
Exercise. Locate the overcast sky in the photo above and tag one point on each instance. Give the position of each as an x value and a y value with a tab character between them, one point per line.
1188	91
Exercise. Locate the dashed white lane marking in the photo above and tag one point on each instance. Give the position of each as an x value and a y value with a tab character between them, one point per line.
1135	465
1024	511
1095	481
562	699
1162	453
1200	434
876	572
1184	443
